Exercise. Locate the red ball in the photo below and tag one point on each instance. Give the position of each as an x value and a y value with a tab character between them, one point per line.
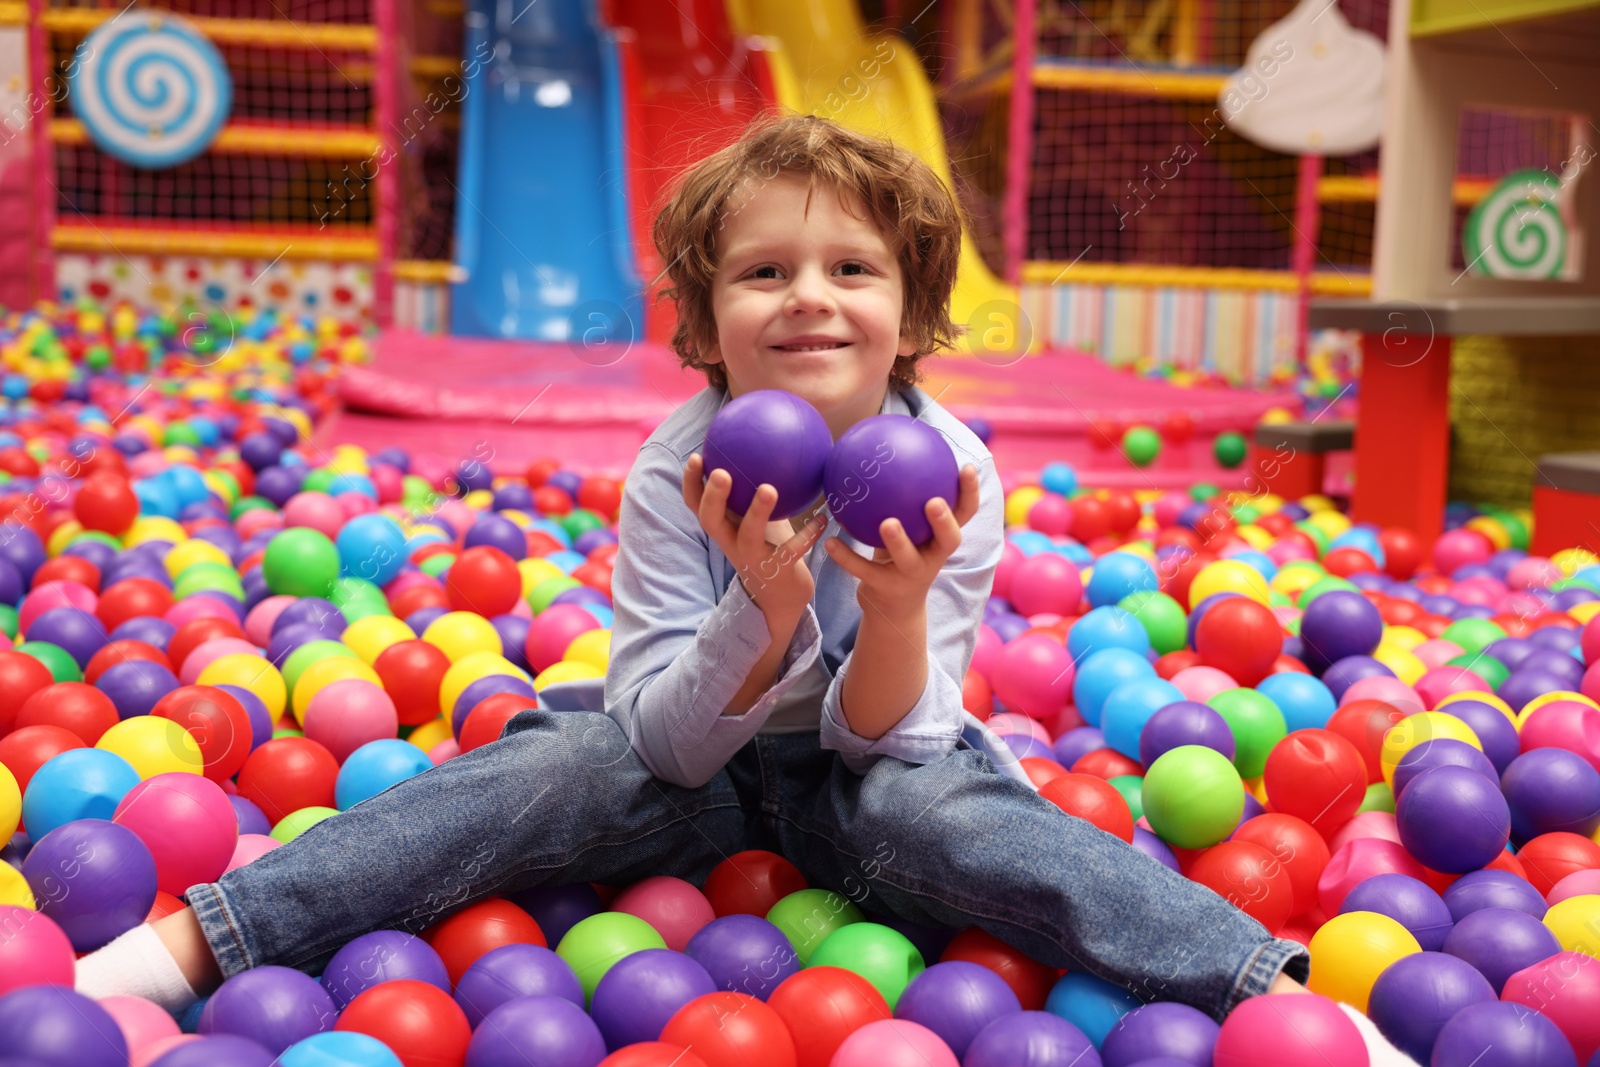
1302	851
166	904
1402	551
196	632
1041	771
1168	666
1090	518
122	651
21	676
1123	512
1240	637
1363	723
1345	561
540	470
1316	775
603	496
594	575
67	569
751	882
731	1030
478	928
550	500
976	695
218	722
1105	763
1093	799
73	706
1248	877
1104	434
488	718
821	1006
414	598
1288	663
287	774
483	580
1177	427
421	1023
106	502
411	672
25	750
652	1054
1177	581
1550	857
1029	979
132	598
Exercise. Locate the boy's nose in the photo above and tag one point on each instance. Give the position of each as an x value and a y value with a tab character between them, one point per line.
809	293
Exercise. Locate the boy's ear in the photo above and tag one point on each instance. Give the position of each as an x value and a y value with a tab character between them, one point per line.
908	347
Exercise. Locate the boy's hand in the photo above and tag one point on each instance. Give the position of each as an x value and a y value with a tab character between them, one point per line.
897	578
769	557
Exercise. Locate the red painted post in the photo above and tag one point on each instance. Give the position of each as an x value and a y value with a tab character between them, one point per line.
1402	455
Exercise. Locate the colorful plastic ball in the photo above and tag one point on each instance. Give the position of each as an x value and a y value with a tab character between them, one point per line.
673	907
153	745
822	1007
287	774
142	1023
1444	752
463	937
1250	878
552	632
1165	1029
1032	1038
1338	624
1034	676
381	956
1501	1035
95	879
35	950
372	547
810	916
1420	730
54	1026
1129	707
956	1000
1106	627
1352	949
417	1021
769	437
1318	776
1099	674
301	562
84	783
881	955
894	1043
729	1029
643	991
1257	726
1240	637
187	824
1141	445
218	722
348	714
1408	901
374	767
1300	849
1453	819
459	634
74	706
1576	1008
1185	722
889	466
1551	789
1092	799
595	944
1553	857
751	883
483	580
1118	575
1499	942
1493	889
1046	583
411	672
513	971
10	803
1285	1028
1193	797
338	1048
654	1054
1229	449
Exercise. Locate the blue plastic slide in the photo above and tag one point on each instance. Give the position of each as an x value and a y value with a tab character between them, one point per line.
542	225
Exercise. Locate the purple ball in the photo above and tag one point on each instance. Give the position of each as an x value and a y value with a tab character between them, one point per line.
563	1034
1008	626
499	532
96	879
1252	808
286	640
322	615
513	971
1551	789
1350	670
1501	1035
135	686
278	484
1454	820
21	547
1164	1030
1416	995
1499	737
1444	752
513	631
558	908
1031	1039
1492	889
11	587
642	991
80	634
260	450
567	481
272	1006
738	951
1499	942
422	618
1186	722
1554	662
889	467
1024	746
97	552
1524	684
381	956
484	688
1155	848
55	1027
981	428
252	820
1077	743
1560	638
775	438
1510	651
472	475
956	1000
260	719
513	496
1408	901
1340	623
218	1050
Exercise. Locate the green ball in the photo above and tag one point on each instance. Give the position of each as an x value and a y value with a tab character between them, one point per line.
1473	635
8	621
312	652
1141	445
298	822
287	731
300	562
250	503
1131	786
1192	796
1161	616
179	433
62	667
1256	723
1243	514
1486	667
357	598
437	564
809	916
882	956
1378	798
1324	585
580	521
98	357
216	576
1230	449
1318	536
317	481
541	595
1517	529
594	945
96	535
1200	492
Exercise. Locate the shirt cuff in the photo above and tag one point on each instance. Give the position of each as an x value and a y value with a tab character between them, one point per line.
928	732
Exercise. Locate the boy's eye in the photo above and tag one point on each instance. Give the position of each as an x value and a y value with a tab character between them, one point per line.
764	272
853	268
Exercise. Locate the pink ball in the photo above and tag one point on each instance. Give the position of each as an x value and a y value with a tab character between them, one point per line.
1440	682
316	510
199	607
1585	883
1363	858
51	595
1007	722
1590	686
1457	548
347	714
1482	590
211	651
1437	652
141	1022
1011	558
449	748
388	481
1044	619
6	644
1033	675
250	848
1376	824
1589	640
1566	989
1169	506
406	579
1532	572
258	624
673	907
1046	582
431	468
1525	604
253	522
1384	688
35	951
521	610
1051	514
553	629
1280	1028
1287	551
160	1047
147	464
1564	724
354	504
1200	684
893	1043
987	651
187	823
457	514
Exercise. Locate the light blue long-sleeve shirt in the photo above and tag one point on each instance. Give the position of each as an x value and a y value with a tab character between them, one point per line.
686	635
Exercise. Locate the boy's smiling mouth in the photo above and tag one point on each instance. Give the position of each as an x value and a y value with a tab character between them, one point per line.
811	344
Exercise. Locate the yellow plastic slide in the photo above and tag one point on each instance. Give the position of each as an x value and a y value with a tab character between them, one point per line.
825	63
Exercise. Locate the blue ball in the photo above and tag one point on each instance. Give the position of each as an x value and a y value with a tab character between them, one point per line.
83	783
1089	1003
338	1048
1103	672
1105	628
372	547
1258	560
1306	703
1129	706
1117	575
1059	478
374	767
1031	542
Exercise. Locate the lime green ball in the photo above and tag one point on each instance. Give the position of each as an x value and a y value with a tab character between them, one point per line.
541	595
595	944
1141	444
1486	667
580	521
312	652
1473	635
357	598
179	433
317	481
1256	723
98	357
1200	492
198	576
882	956
1319	537
808	917
1324	585
300	562
250	503
1378	798
296	823
1161	616
1192	796
436	565
1246	513
1229	449
96	535
1131	786
287	731
62	667
8	621
414	487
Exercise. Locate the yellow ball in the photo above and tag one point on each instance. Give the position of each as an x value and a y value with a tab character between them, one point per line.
14	889
479	500
1317	502
371	636
1019	502
468	669
1418	729
535	570
1276	416
62	536
154	528
10	803
592	647
1270	502
1404	638
1550	698
1576	924
1255	536
1486	698
1229	576
566	671
1295	578
153	745
1585	611
1351	950
1493	529
1570	560
1331	522
193	551
461	633
324	673
1407	667
255	673
430	733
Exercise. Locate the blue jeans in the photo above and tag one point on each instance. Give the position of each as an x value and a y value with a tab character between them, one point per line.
561	798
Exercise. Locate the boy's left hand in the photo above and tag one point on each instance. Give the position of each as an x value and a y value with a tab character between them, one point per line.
897	578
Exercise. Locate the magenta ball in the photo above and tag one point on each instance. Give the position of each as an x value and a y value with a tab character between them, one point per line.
34	952
1457	548
894	1043
1046	582
674	908
347	714
773	437
1575	1009
1034	675
187	823
1564	724
1440	682
1289	1028
889	466
552	630
1051	514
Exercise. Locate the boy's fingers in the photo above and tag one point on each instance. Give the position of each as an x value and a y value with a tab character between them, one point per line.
805	538
946	529
847	559
897	543
693	485
967	505
753	527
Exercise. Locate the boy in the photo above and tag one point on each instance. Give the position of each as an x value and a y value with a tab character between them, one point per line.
768	688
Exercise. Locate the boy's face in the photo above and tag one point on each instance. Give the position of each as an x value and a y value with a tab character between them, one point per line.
807	300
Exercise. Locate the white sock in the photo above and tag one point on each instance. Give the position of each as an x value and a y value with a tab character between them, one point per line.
1379	1051
136	964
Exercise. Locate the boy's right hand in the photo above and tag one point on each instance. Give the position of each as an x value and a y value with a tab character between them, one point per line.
769	557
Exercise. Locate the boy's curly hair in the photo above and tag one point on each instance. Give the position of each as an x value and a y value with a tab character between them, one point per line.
913	209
